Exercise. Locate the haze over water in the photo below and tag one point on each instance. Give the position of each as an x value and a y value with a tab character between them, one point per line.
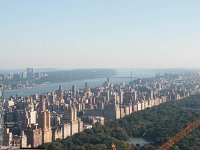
136	73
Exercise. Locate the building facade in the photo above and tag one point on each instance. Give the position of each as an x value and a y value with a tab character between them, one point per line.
1	115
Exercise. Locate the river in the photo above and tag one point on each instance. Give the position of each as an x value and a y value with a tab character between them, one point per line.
66	86
137	73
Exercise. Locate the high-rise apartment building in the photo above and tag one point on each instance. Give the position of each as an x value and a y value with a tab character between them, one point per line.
70	118
74	91
44	122
1	115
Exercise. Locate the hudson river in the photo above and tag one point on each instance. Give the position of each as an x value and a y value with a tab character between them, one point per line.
137	73
66	86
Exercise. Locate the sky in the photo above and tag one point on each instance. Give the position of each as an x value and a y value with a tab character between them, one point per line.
99	34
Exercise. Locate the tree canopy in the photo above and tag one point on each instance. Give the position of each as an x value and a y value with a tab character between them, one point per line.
155	124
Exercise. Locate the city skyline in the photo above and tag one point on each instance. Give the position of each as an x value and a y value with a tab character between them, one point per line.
41	119
104	34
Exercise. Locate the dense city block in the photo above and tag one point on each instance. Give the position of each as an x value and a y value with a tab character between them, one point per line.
37	119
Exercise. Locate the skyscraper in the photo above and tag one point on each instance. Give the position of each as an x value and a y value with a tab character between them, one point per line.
1	115
74	91
44	122
29	72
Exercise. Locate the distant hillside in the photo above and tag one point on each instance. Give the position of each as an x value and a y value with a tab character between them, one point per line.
46	69
74	75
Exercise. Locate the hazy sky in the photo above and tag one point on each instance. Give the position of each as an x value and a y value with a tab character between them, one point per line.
99	33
